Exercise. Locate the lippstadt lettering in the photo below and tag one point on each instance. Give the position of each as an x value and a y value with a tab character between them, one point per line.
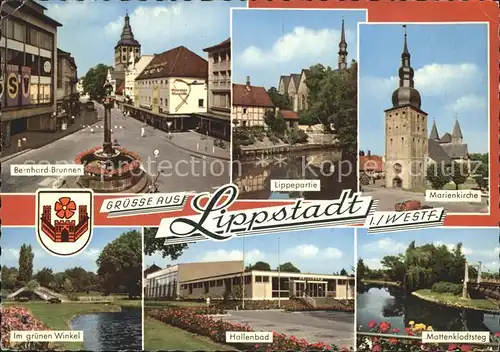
216	221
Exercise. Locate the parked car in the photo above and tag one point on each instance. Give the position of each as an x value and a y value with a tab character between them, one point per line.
408	205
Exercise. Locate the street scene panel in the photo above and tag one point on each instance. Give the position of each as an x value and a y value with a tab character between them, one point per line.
297	286
130	113
427	280
96	292
424	135
294	108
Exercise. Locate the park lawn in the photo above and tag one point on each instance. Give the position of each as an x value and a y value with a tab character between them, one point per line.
161	336
451	300
58	316
128	302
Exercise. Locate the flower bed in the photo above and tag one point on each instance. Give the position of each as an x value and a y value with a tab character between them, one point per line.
130	164
19	319
193	321
321	308
382	344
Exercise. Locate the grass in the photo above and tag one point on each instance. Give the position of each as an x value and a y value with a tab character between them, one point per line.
449	299
161	336
58	316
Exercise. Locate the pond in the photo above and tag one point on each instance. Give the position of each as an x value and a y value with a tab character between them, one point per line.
327	166
111	331
392	305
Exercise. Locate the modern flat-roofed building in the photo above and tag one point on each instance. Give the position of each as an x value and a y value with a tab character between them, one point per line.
215	279
217	119
28	51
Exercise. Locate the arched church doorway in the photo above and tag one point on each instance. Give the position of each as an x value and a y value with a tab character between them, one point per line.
65	236
397	182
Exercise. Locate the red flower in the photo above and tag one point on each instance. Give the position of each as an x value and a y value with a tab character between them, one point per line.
372	324
376	348
393	341
395	330
497	334
466	348
65	208
384	327
452	347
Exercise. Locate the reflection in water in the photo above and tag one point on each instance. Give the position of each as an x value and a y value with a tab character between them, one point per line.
111	331
335	175
393	306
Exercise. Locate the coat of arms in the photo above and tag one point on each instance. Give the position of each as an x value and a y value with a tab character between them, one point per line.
64	220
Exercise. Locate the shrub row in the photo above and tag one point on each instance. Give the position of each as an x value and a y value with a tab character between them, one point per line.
447	287
194	322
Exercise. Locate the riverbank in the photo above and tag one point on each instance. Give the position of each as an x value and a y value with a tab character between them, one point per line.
450	300
249	153
161	336
381	282
59	316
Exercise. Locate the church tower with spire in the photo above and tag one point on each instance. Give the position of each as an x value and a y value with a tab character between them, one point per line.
127	49
342	49
406	141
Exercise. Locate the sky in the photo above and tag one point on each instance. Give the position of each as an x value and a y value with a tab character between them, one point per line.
91	29
323	251
451	74
267	44
479	244
14	237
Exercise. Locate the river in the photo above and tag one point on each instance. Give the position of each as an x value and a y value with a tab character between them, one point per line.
111	331
327	166
395	307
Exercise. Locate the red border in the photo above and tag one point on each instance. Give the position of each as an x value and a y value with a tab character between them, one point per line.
14	207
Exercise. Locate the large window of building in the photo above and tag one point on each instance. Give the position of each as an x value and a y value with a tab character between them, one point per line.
46	41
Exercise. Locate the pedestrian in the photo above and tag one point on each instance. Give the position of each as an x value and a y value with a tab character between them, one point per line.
142	132
19	145
208	301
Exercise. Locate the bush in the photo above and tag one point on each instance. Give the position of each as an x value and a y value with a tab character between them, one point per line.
55	300
190	320
19	319
22	299
447	287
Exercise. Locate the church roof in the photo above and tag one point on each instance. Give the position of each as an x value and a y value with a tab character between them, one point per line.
127	37
446	138
177	62
437	153
286	81
296	79
456	151
434	132
457	131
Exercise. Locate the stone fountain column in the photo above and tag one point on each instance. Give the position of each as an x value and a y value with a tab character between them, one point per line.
107	146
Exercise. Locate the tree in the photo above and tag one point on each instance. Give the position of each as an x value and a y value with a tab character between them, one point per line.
67	286
25	264
288	268
361	269
45	277
437	176
94	80
395	267
343	272
153	245
275	122
480	169
120	262
32	285
9	277
263	266
279	100
460	173
79	277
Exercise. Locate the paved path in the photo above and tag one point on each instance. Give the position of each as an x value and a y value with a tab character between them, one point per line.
329	327
181	171
192	142
389	197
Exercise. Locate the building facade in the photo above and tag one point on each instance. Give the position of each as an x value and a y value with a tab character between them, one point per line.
250	105
408	147
217	119
172	89
217	279
131	73
294	86
67	80
28	51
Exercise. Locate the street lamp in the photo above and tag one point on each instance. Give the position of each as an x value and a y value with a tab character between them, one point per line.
154	188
